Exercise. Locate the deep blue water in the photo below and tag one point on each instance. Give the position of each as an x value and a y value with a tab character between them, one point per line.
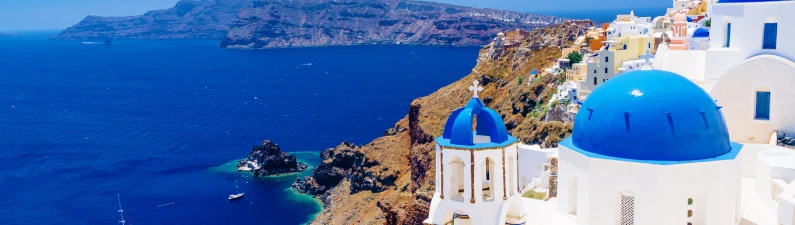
152	120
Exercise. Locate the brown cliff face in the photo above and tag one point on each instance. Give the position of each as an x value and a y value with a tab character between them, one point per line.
406	150
302	23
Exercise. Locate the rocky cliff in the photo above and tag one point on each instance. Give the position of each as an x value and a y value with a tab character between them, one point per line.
268	159
188	19
298	23
391	180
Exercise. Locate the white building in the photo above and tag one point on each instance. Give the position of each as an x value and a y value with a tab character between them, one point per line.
642	154
699	40
477	181
629	26
748	67
533	162
597	73
697	146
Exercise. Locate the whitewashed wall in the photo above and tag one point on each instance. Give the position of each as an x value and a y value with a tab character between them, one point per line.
736	92
661	191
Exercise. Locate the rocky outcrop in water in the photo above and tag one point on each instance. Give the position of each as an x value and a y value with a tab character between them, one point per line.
300	23
188	19
268	159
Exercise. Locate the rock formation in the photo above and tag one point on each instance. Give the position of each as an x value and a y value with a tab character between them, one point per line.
268	159
188	19
405	155
274	24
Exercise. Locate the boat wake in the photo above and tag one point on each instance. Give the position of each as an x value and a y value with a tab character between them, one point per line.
167	204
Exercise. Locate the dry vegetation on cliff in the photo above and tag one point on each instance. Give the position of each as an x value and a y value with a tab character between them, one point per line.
405	152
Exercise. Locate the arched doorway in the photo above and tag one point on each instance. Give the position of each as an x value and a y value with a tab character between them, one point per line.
488	179
457	179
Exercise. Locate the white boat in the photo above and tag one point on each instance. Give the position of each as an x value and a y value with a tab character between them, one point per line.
238	195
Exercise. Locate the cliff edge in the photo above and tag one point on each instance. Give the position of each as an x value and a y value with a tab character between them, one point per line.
391	179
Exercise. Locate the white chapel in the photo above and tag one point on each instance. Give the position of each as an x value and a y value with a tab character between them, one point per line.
477	175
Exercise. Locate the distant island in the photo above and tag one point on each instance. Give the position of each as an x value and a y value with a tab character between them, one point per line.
307	23
188	19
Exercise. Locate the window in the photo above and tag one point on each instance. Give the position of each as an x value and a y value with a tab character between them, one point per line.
728	34
627	206
605	70
771	33
594	71
594	81
762	105
607	59
649	45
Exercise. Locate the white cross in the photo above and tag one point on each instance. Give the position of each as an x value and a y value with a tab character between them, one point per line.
474	88
647	58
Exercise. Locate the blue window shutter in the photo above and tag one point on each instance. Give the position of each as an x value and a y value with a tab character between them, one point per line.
770	36
728	34
762	105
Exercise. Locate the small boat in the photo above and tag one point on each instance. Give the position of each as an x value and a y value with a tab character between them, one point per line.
238	195
235	196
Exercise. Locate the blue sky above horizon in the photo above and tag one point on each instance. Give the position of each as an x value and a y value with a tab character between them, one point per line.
26	15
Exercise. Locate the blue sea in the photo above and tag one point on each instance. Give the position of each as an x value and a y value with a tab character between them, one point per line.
161	122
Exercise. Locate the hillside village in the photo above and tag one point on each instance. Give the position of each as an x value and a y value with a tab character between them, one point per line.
681	118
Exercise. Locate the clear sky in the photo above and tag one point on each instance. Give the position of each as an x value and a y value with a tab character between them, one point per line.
21	15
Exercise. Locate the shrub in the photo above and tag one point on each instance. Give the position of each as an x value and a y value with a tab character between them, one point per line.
535	195
521	79
574	57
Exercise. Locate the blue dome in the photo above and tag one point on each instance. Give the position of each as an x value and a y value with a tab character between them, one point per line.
689	19
701	32
458	129
650	115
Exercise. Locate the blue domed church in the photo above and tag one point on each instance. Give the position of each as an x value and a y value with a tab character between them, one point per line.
649	147
477	171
